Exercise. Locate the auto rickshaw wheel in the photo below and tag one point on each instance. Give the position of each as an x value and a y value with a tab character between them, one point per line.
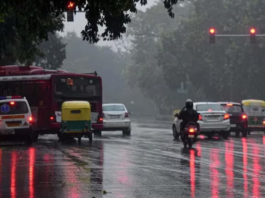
79	140
90	136
97	133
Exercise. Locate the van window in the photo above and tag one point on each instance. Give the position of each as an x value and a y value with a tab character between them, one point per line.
8	108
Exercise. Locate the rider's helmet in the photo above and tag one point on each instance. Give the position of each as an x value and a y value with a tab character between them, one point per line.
189	104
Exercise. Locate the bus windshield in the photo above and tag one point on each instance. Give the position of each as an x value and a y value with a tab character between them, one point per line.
76	86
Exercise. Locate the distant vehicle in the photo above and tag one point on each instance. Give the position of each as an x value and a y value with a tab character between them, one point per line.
255	110
238	118
46	93
213	120
16	119
116	118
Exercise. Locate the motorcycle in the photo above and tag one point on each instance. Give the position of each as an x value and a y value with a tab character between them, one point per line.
190	134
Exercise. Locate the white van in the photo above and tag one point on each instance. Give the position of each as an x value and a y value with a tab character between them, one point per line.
15	118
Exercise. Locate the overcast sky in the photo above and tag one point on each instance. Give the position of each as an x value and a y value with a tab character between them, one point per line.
80	22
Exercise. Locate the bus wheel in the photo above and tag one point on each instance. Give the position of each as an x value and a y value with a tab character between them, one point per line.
35	137
79	140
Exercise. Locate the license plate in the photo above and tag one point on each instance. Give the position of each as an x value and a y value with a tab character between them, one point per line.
191	136
7	132
13	124
232	125
113	117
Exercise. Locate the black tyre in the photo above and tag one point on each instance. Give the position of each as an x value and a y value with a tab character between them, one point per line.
98	133
126	132
225	136
29	138
237	133
209	136
35	137
175	133
79	140
90	136
185	144
190	143
244	133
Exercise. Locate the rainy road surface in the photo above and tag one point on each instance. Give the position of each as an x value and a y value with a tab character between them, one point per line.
147	164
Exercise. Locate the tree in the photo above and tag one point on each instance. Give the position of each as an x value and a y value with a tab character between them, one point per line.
53	53
32	15
232	68
146	31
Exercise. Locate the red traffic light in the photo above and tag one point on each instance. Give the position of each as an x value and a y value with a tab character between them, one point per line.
252	31
71	5
212	31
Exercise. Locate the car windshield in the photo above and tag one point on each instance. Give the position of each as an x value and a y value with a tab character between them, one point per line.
113	108
233	109
9	108
209	107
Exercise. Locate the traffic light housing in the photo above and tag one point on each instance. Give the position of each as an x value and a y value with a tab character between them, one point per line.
70	11
252	34
212	32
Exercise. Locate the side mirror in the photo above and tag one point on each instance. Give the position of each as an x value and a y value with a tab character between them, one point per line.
176	115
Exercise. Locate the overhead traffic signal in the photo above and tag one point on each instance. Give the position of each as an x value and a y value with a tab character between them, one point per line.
252	34
212	32
70	11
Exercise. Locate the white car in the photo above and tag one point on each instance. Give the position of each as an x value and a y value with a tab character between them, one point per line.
213	120
15	118
116	118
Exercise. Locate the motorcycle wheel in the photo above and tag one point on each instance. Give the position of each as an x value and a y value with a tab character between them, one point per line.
190	143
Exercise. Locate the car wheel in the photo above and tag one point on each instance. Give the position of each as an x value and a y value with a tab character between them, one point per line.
29	138
98	133
126	132
237	133
35	137
209	136
225	135
90	136
175	133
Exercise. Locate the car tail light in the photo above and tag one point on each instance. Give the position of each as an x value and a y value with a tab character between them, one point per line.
244	116
191	130
12	103
264	122
30	119
229	104
52	118
200	117
226	116
209	110
126	115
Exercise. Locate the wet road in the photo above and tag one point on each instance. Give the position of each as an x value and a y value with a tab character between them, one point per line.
147	164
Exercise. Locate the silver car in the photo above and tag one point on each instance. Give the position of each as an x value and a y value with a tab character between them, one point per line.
116	118
213	119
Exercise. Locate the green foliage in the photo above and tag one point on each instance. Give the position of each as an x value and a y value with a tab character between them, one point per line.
146	31
53	53
230	69
33	16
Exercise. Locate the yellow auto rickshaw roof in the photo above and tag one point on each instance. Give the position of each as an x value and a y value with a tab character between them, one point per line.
76	104
252	101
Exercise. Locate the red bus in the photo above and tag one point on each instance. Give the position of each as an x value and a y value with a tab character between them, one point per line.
46	93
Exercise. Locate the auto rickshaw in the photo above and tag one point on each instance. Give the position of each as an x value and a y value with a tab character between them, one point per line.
255	109
76	120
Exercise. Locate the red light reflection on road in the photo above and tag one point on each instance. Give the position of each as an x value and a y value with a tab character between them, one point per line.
13	174
214	164
229	161
245	166
263	138
192	173
198	147
256	170
31	172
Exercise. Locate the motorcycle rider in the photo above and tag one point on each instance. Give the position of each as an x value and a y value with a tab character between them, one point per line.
188	114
